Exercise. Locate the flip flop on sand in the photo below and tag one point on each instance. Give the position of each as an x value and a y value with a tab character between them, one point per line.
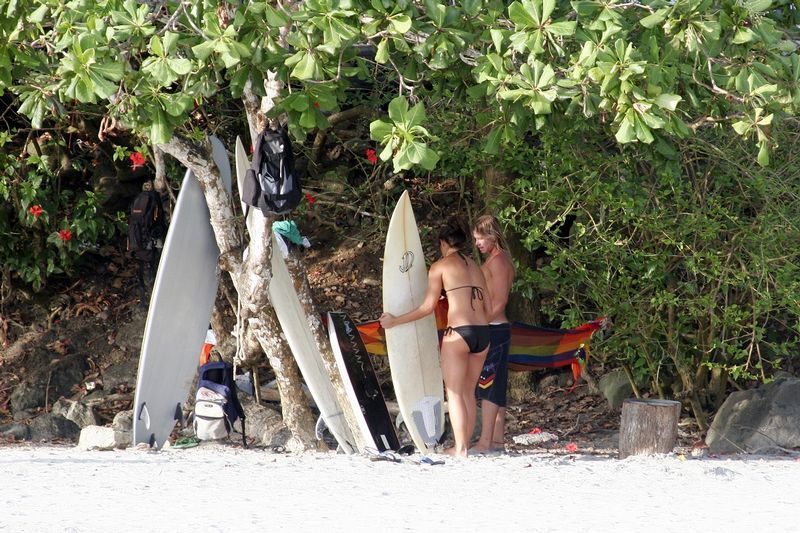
386	456
186	442
425	460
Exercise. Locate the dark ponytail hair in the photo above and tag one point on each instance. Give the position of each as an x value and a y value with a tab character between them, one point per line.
453	233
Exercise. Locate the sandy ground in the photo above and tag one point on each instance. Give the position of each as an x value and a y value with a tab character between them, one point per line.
218	488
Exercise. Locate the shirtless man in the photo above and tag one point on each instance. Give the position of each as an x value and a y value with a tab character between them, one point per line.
466	338
491	390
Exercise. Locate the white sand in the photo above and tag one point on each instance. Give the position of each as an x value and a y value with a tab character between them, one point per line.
216	488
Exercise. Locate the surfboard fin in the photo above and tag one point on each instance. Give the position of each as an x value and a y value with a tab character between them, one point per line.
152	441
179	413
320	427
144	415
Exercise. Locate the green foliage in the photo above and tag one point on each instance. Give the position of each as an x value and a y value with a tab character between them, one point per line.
403	138
649	71
44	231
694	272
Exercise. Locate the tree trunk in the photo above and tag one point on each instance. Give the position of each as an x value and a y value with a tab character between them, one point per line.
648	427
251	282
258	316
300	280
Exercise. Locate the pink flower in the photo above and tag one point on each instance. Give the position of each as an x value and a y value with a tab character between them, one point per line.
372	157
535	431
137	160
36	211
65	235
571	447
310	199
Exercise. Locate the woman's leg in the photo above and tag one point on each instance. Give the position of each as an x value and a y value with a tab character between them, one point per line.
473	374
455	365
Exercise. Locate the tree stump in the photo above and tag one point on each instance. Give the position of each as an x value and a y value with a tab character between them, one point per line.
648	427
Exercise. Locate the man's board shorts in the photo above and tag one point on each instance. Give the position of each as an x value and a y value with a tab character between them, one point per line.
493	382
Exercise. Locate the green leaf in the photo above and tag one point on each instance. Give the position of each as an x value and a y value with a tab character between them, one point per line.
492	145
400	23
203	50
428	159
436	12
743	35
763	154
38	15
655	19
741	127
668	101
562	28
497	39
398	108
382	53
626	132
160	129
472	7
520	16
416	116
379	130
306	68
308	119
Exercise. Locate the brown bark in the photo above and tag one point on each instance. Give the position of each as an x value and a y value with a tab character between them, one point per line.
300	280
251	281
648	427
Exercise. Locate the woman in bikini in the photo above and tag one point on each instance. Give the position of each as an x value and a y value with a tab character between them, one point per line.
466	338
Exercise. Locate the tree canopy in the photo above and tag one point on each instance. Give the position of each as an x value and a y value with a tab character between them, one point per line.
647	70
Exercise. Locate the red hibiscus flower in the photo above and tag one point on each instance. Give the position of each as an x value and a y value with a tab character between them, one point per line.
65	235
310	199
316	104
372	157
137	160
571	447
36	211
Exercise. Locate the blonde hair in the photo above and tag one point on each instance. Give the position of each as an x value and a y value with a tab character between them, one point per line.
489	226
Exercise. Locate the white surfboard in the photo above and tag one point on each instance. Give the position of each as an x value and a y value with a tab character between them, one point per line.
294	324
180	309
242	164
413	348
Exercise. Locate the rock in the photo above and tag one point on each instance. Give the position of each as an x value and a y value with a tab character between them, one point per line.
50	381
97	438
15	431
123	428
129	336
49	426
553	380
615	387
757	420
122	375
81	414
264	424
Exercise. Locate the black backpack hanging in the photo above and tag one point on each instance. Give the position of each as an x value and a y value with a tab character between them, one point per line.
145	224
271	183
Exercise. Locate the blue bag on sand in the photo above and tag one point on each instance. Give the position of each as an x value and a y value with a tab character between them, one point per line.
216	405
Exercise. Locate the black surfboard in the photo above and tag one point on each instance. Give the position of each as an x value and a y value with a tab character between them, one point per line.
363	387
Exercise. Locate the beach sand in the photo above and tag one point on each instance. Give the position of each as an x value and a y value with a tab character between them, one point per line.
214	487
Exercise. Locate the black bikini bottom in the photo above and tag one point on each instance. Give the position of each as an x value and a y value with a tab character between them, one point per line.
476	337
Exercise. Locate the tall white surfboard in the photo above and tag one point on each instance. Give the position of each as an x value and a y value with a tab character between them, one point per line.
413	348
294	324
180	309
